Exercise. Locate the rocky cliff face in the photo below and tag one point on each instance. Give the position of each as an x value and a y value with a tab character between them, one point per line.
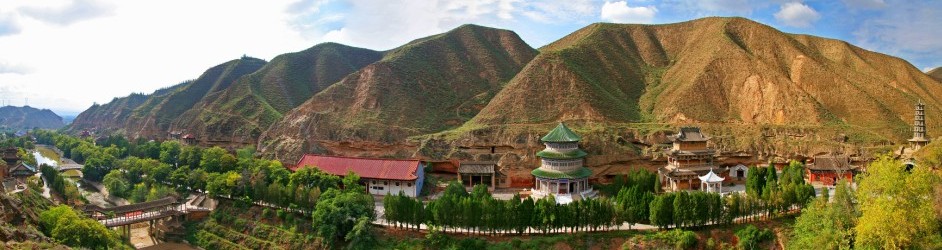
27	117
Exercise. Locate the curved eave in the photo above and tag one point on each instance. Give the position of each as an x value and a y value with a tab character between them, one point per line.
582	172
575	154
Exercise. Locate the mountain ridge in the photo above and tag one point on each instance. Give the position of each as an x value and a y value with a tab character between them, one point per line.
428	85
26	118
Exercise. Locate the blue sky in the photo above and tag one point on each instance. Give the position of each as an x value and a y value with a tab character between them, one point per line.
67	54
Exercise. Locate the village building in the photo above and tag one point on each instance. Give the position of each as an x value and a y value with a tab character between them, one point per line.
711	182
562	172
919	139
14	171
828	169
379	176
189	139
11	160
688	159
478	173
739	172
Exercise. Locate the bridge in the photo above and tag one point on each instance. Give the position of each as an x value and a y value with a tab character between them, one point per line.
151	211
69	166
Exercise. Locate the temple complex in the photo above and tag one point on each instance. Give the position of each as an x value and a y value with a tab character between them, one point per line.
562	172
689	161
828	169
919	139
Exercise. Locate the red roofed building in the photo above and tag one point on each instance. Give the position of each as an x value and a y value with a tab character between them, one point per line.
380	176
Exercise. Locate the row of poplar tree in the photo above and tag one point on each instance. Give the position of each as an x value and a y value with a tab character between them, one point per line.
635	201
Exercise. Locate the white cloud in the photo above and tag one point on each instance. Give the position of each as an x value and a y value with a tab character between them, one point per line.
620	12
140	47
8	26
797	14
7	68
387	24
77	10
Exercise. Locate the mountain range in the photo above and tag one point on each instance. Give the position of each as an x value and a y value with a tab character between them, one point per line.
479	93
26	117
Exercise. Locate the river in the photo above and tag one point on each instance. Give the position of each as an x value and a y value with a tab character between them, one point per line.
95	193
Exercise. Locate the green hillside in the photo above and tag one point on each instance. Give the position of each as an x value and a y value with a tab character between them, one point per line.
151	115
243	111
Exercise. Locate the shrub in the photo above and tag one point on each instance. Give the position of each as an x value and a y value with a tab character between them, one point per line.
750	237
681	239
266	213
436	239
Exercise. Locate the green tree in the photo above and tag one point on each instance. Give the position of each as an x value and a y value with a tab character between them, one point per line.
211	160
65	226
897	207
170	152
338	211
662	210
361	235
139	193
827	226
117	183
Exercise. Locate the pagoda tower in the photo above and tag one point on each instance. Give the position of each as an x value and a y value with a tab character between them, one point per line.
919	139
688	159
562	172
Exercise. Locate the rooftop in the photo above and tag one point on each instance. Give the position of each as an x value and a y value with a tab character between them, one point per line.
477	167
574	154
581	172
711	177
828	162
561	134
388	169
690	134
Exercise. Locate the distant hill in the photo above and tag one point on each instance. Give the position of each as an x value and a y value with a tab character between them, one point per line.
936	74
231	103
26	117
428	85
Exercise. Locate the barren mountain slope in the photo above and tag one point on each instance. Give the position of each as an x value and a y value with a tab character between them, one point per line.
429	85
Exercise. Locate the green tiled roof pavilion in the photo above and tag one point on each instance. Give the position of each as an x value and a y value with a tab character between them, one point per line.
561	134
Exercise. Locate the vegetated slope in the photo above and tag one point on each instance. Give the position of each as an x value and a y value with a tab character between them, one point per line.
27	117
936	74
111	115
243	111
150	116
428	85
713	71
154	117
